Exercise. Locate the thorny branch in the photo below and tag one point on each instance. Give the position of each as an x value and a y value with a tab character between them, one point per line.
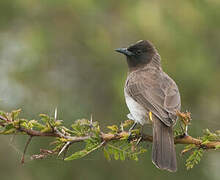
181	139
105	138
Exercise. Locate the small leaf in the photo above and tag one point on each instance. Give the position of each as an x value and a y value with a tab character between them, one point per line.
218	146
127	123
25	125
82	153
114	128
116	155
134	157
46	129
106	154
15	113
45	118
83	122
194	158
122	156
9	129
35	124
57	123
188	148
77	155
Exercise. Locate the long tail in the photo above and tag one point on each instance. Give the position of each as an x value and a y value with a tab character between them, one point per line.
163	153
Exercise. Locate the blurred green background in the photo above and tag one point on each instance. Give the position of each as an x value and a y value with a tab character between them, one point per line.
57	53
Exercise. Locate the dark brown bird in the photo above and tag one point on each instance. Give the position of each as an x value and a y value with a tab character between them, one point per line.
152	97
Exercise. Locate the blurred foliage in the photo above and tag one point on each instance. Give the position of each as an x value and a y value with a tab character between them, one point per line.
61	53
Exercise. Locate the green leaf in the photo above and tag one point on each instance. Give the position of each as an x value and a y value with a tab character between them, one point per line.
9	129
122	150
114	128
35	124
106	154
4	114
46	129
217	147
194	158
45	118
15	113
82	153
122	156
25	125
116	155
134	157
77	155
57	123
206	141
83	122
127	123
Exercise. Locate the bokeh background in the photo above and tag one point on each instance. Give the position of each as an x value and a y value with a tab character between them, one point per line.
57	53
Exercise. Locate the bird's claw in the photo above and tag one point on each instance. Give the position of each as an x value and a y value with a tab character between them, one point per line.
130	131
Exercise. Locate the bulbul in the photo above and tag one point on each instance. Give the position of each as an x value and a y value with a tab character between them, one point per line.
152	97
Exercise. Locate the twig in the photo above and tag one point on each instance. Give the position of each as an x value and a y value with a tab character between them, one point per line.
3	118
25	149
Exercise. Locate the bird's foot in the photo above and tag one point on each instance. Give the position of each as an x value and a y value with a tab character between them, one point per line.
141	137
130	131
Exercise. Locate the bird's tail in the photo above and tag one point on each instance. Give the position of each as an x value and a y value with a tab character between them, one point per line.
163	152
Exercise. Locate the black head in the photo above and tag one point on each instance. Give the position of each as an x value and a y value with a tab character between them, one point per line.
138	54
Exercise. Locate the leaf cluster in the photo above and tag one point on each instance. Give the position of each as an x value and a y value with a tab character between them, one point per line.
122	150
198	151
194	158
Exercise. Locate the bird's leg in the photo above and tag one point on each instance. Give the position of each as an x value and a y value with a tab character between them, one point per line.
129	131
141	137
132	127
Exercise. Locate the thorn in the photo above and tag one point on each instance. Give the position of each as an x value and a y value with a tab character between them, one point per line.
122	127
139	140
132	127
91	122
91	119
186	131
64	147
55	114
65	152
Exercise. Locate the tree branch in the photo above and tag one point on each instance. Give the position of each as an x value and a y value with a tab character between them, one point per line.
181	139
89	132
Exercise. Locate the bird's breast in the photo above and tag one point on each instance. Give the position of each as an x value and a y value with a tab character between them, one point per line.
138	112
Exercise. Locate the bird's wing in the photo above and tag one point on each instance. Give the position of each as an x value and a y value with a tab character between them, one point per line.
156	92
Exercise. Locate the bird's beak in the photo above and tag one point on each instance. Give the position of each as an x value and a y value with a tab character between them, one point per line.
124	51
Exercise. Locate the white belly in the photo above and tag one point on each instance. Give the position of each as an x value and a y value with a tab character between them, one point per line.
137	113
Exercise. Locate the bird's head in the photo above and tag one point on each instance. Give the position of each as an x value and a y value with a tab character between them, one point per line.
138	54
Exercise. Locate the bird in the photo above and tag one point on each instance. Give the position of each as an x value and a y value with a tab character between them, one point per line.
152	97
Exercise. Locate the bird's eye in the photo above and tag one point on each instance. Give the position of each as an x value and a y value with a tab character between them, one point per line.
138	52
